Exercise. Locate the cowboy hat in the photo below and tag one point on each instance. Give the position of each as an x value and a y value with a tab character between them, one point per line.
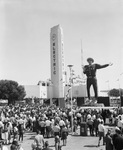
90	59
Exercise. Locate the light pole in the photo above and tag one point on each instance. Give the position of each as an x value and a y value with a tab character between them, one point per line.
71	82
118	80
108	85
51	92
120	86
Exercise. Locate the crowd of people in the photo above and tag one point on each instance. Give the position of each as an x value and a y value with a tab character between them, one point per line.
113	140
53	122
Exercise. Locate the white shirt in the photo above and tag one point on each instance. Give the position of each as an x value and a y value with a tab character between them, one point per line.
88	116
48	123
56	128
52	122
1	124
70	113
5	148
20	121
39	140
93	117
33	119
101	128
78	115
120	123
10	126
61	123
15	129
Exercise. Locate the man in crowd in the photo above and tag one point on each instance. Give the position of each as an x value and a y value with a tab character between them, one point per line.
1	128
117	140
101	129
48	127
39	140
108	141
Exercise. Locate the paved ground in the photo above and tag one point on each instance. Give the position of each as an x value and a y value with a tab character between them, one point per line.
74	142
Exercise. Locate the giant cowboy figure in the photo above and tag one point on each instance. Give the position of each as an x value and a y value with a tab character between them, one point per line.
90	71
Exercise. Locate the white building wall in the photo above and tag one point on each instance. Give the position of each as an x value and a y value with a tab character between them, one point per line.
77	91
32	91
43	91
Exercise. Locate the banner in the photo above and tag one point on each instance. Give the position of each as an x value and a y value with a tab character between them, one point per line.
115	101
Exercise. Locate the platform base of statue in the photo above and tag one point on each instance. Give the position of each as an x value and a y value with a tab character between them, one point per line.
93	103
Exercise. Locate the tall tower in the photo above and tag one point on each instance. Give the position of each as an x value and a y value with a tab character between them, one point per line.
57	61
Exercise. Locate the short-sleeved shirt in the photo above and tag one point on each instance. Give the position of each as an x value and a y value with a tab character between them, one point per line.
39	140
48	123
101	128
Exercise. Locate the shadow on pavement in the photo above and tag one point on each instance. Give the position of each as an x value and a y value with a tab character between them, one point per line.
90	146
30	133
52	146
31	138
75	135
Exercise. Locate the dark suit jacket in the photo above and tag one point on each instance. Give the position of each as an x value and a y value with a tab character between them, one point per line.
109	144
91	70
118	142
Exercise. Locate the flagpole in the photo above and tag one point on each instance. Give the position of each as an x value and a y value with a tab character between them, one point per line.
118	80
82	63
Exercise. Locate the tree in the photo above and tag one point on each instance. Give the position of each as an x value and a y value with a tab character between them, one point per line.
11	91
114	93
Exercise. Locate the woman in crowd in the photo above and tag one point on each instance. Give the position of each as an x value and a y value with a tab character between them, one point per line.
42	126
5	132
57	142
48	127
21	131
64	134
15	132
90	125
9	132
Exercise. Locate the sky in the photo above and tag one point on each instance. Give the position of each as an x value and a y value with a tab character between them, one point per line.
25	38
